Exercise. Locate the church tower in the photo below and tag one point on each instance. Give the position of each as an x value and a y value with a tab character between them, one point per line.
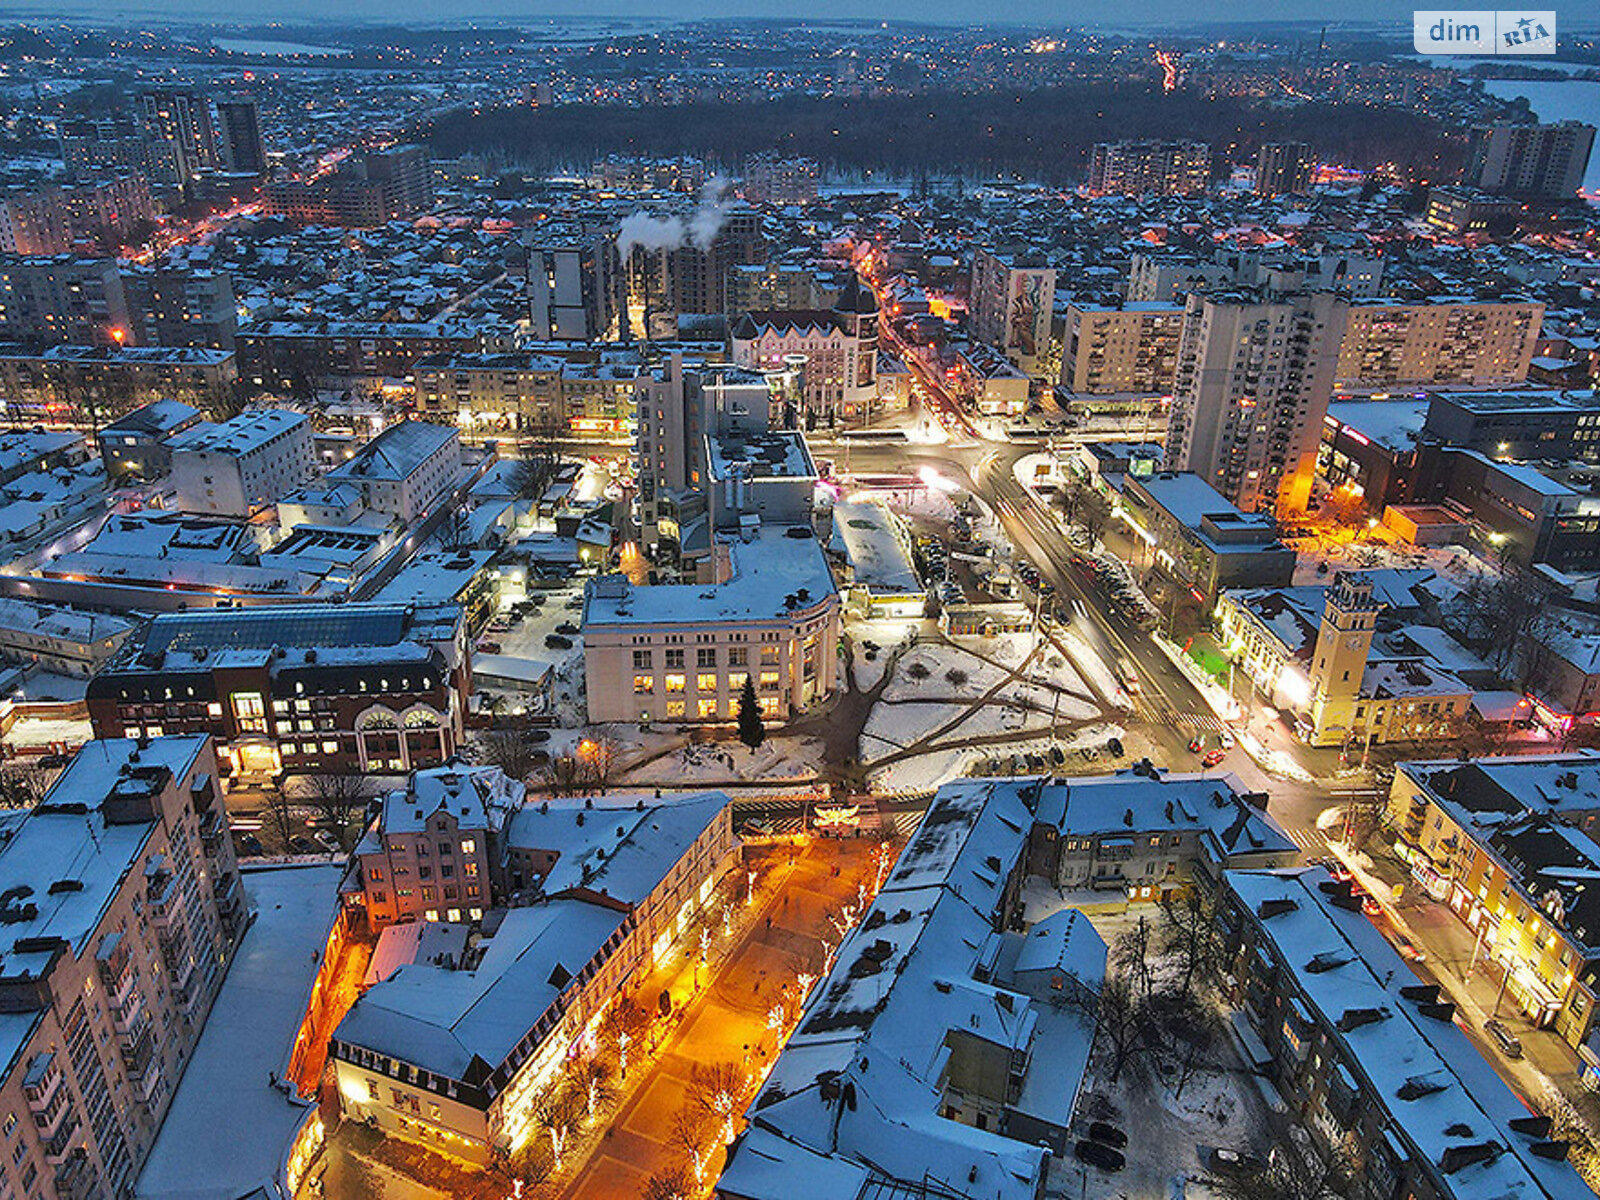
1349	619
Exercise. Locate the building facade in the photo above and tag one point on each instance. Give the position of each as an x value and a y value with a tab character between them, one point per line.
1160	168
301	689
1463	344
1536	161
245	464
1129	349
1255	372
1011	303
122	906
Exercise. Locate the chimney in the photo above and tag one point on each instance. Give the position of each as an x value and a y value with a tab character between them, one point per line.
1455	1158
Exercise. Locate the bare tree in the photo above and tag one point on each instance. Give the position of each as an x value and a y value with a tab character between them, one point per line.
693	1129
715	1090
672	1184
455	532
538	466
600	761
565	775
512	751
556	1115
277	818
1126	1024
339	800
1190	1028
1131	954
1293	1173
1189	931
23	785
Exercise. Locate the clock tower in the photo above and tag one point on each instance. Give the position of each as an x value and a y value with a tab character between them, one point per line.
1344	640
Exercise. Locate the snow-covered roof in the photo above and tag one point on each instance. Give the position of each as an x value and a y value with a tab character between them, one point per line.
772	564
855	1096
66	840
879	560
1441	1095
395	453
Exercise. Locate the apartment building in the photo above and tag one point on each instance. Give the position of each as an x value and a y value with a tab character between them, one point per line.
92	147
1535	161
1132	348
1160	168
1011	303
106	381
1255	371
181	306
776	179
275	354
1459	211
63	300
458	1056
1366	1056
297	688
773	287
378	187
245	464
839	349
404	470
121	906
572	270
180	118
94	214
1438	344
433	851
1284	168
508	393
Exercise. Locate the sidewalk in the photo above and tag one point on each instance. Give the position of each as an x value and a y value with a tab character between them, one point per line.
1455	962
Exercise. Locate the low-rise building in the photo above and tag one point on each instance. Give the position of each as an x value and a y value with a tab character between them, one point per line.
369	688
458	1056
63	641
1367	1056
120	904
1505	842
682	651
245	464
138	444
1202	540
838	382
880	576
404	470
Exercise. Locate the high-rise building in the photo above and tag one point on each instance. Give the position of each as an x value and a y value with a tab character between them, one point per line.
571	282
54	220
1130	349
773	179
113	144
1255	371
1132	168
181	118
239	144
121	907
63	300
690	275
1012	299
1538	161
1283	167
181	306
382	186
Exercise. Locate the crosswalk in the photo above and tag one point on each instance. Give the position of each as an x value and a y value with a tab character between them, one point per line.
1312	841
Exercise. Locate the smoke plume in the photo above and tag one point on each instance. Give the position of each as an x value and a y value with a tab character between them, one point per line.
644	231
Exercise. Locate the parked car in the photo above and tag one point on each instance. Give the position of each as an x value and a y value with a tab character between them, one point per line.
251	845
327	840
1196	745
1100	1156
1225	739
1508	1042
1108	1134
554	641
300	844
1114	747
1213	757
1234	1162
566	627
489	647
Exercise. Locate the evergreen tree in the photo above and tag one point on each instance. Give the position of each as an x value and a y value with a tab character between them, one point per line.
751	731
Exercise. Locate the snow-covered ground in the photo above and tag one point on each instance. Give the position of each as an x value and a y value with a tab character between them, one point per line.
777	758
885	635
39	732
228	1130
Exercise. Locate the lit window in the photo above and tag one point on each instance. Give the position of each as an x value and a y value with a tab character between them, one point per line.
644	683
675	683
469	845
706	682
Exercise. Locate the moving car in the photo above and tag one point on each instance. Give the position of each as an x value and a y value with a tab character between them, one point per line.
1196	745
1509	1045
1213	757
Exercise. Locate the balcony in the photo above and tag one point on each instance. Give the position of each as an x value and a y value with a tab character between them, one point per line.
74	1178
59	1146
42	1081
137	1050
